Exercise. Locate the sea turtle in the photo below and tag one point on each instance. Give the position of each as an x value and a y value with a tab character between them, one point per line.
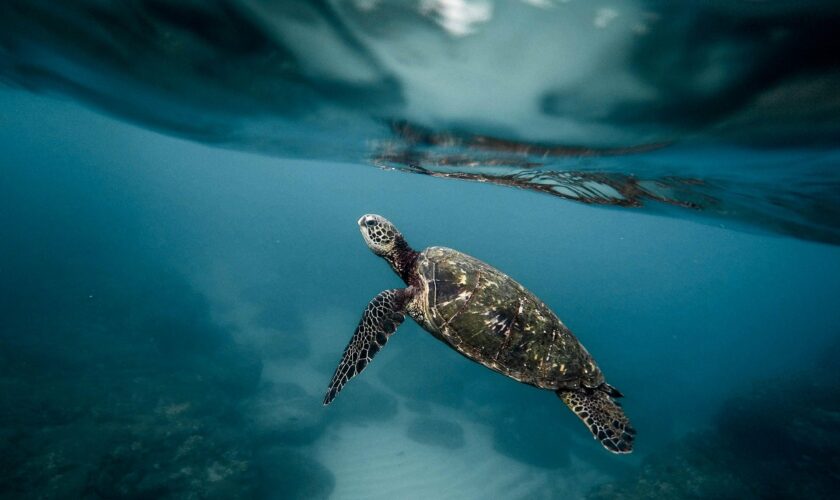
488	317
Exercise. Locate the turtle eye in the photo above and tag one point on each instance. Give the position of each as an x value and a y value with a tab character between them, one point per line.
371	223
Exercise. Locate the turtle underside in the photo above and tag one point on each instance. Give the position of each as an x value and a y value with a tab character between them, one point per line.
493	320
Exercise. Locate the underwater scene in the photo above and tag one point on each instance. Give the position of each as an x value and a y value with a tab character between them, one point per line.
600	238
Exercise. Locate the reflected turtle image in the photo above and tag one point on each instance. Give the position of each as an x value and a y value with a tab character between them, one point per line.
489	318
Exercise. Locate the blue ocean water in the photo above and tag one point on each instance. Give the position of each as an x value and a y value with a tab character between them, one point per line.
176	293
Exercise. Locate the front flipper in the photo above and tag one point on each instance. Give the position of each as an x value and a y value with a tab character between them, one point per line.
380	320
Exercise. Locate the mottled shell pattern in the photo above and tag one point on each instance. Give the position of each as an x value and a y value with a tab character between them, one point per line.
493	320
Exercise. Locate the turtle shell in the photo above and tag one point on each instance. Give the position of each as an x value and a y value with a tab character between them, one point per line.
490	318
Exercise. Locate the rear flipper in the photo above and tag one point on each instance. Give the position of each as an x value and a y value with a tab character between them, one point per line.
604	417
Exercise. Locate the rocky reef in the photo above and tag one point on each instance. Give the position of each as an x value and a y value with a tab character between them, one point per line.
123	393
779	439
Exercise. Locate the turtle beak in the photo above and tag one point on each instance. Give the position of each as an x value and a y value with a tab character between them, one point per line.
361	221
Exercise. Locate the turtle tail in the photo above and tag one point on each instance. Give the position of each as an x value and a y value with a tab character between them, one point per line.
602	415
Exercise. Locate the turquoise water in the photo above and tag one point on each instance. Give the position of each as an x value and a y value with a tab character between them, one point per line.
174	307
173	313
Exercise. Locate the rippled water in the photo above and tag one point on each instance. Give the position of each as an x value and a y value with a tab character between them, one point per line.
604	103
180	266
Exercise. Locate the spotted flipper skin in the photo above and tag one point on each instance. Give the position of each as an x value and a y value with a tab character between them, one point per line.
380	320
602	415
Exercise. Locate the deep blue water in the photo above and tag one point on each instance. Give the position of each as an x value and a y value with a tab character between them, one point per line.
173	312
179	273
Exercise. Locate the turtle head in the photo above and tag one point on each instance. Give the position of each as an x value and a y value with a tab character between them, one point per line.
383	238
380	235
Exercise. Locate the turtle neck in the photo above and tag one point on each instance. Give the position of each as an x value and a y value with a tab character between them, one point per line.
402	259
